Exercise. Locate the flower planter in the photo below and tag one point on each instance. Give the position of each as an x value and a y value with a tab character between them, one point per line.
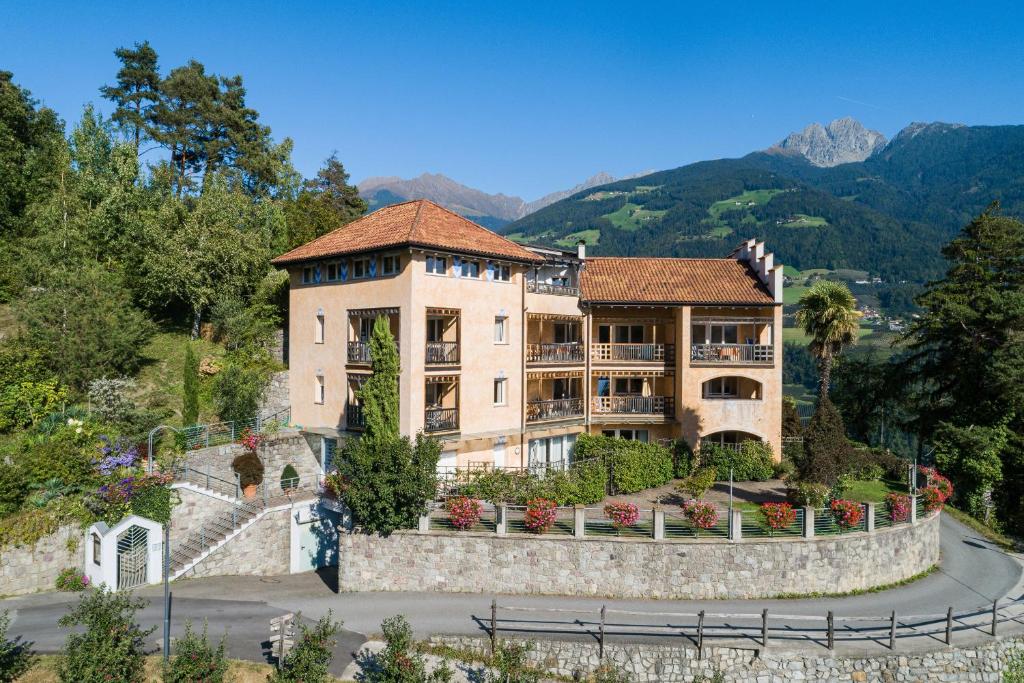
249	491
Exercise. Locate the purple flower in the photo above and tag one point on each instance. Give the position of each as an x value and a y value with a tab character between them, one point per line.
116	454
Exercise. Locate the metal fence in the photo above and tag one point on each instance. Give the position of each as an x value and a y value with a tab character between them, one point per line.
220	433
760	628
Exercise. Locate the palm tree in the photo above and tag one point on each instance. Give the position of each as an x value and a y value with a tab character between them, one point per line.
828	315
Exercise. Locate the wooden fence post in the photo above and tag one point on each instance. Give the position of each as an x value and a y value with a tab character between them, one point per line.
700	634
995	615
892	631
831	631
764	628
494	624
949	626
600	650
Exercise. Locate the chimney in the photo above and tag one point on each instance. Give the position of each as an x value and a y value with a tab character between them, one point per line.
581	250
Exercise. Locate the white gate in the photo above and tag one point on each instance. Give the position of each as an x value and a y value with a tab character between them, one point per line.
132	552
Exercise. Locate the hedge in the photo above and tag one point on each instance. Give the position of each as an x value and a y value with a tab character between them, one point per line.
752	462
632	465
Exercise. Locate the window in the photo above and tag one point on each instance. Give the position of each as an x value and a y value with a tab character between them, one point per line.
308	275
390	264
318	333
500	329
628	434
629	334
318	390
97	552
435	329
629	385
566	333
721	387
332	272
603	386
502	273
470	269
715	334
499	391
555	452
437	265
361	268
365	328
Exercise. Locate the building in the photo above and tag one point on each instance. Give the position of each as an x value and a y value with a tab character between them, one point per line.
508	352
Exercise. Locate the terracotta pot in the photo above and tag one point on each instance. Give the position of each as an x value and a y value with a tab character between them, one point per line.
249	490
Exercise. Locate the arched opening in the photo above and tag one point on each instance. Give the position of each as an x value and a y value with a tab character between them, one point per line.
729	387
729	438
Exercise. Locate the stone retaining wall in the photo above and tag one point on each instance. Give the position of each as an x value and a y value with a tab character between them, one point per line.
666	664
636	568
302	451
194	510
263	549
29	569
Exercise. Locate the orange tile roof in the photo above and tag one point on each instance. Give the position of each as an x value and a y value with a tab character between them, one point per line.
418	223
672	280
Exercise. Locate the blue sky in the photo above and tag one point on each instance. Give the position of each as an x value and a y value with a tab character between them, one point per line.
533	98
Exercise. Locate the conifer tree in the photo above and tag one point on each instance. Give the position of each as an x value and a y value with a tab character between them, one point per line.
380	392
190	387
137	89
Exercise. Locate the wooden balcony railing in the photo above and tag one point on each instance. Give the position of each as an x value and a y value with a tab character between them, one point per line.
760	354
441	419
442	353
553	409
354	417
359	352
571	352
665	353
547	288
634	405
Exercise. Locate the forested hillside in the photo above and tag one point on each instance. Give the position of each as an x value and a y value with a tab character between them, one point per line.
888	215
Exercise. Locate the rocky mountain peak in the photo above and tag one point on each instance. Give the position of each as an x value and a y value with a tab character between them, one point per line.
842	141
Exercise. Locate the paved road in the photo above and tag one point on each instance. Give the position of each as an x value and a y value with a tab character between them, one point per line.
973	573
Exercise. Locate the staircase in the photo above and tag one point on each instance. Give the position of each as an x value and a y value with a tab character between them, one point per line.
214	533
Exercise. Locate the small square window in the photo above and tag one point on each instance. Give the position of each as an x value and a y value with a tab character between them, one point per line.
500	329
470	269
332	272
360	268
389	264
437	265
499	392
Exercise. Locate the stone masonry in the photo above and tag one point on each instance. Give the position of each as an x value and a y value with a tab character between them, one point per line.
647	663
29	569
302	451
461	562
193	511
262	549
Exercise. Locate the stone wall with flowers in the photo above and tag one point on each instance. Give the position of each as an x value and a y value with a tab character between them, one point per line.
468	562
276	451
648	663
34	568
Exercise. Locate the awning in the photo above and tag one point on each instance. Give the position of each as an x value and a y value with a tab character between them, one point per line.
554	316
632	373
443	311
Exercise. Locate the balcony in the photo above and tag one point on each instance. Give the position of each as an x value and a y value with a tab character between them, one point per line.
734	354
633	405
633	353
535	287
442	353
555	409
359	352
441	420
571	352
355	419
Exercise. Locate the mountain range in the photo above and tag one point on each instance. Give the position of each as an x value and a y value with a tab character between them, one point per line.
836	197
490	210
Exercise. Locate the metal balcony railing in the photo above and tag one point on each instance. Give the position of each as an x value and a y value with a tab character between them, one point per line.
634	405
442	352
547	288
354	416
441	419
571	352
665	353
553	409
761	354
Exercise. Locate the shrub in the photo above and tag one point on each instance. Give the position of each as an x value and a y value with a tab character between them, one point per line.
847	514
609	673
826	450
585	483
71	580
249	469
682	458
807	493
463	512
398	662
777	516
509	663
841	486
289	478
698	483
784	469
110	640
1013	672
932	499
700	515
898	506
237	391
15	656
623	515
111	398
195	660
752	462
944	485
633	465
309	659
540	515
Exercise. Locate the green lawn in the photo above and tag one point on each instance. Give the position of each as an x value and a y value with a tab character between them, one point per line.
160	379
801	220
791	294
873	491
632	217
721	231
591	237
759	197
521	238
790	271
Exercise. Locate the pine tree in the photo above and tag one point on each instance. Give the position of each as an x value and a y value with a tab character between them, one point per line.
137	89
826	450
380	392
190	387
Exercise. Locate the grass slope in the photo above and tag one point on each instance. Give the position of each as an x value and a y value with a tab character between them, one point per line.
632	217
